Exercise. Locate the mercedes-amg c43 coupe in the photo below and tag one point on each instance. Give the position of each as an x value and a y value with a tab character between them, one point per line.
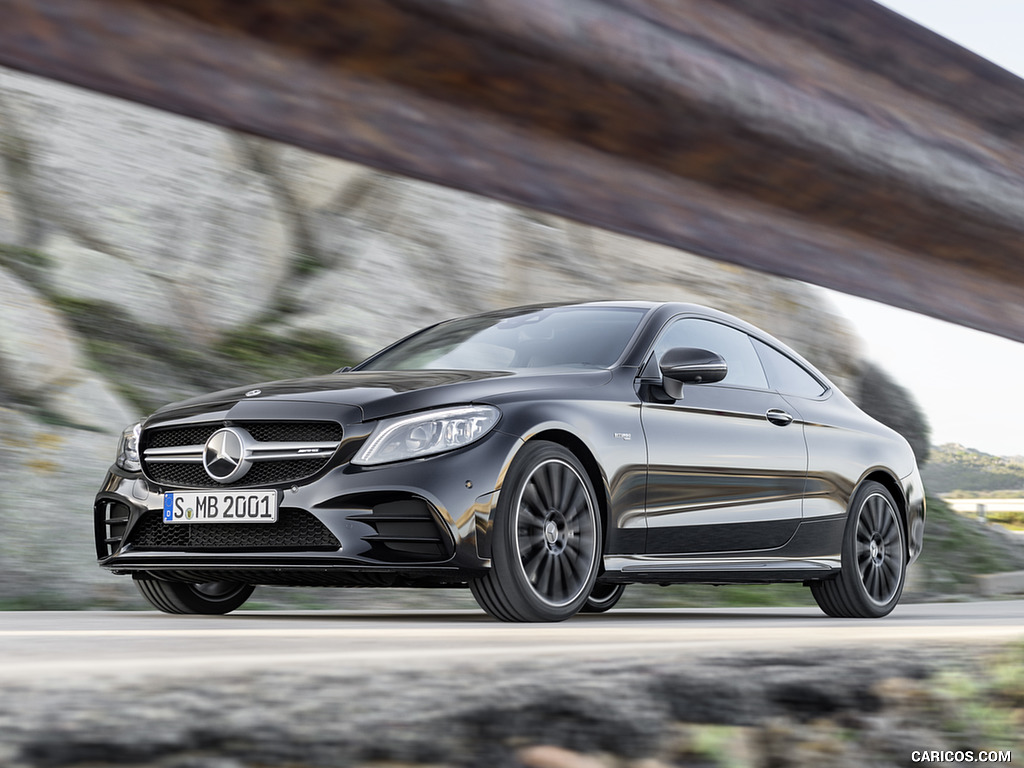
543	456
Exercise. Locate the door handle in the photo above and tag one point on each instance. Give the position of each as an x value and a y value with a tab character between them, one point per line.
779	417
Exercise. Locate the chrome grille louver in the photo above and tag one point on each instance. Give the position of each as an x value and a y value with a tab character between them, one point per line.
279	452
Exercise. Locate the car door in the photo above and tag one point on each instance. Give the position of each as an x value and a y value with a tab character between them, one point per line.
727	463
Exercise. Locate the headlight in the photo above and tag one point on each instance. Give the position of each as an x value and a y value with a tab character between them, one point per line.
424	434
128	449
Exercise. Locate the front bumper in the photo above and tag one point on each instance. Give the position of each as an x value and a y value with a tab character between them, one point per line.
418	522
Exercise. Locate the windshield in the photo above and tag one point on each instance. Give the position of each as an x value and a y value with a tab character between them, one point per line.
560	337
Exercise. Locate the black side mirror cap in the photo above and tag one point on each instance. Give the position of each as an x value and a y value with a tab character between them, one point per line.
689	365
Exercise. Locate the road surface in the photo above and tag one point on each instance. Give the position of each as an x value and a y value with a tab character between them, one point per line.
65	646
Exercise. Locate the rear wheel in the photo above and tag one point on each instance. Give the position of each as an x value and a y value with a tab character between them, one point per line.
603	597
210	598
546	543
874	559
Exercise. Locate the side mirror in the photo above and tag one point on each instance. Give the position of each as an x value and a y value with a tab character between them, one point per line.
688	365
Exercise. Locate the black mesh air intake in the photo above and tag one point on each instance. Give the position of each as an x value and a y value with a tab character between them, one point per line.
295	531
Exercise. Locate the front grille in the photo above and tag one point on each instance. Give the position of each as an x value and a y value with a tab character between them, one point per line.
173	436
293	431
295	531
191	474
263	473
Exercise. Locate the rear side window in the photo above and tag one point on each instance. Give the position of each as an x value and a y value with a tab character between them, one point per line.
786	376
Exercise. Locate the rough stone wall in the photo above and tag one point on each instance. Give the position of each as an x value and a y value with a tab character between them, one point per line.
141	251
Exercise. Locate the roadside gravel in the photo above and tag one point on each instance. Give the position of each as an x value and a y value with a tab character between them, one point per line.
851	707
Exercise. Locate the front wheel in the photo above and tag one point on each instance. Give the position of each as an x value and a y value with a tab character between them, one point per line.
874	559
546	545
211	598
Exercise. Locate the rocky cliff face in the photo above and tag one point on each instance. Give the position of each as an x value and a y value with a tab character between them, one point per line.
144	257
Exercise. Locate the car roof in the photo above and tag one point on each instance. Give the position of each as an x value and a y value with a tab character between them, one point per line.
657	313
662	311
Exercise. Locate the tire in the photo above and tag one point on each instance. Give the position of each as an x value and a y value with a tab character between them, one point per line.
212	598
603	597
546	547
822	593
874	559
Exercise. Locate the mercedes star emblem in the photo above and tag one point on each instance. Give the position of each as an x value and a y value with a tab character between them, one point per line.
225	457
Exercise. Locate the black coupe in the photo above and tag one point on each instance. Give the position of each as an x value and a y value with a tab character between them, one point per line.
543	456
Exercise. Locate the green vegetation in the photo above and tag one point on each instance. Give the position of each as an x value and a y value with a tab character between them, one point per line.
953	467
148	366
707	596
988	703
42	602
1005	518
26	263
719	745
1014	493
268	354
52	419
305	264
956	549
11	256
151	366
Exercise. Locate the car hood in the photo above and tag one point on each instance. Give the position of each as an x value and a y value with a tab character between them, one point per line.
378	394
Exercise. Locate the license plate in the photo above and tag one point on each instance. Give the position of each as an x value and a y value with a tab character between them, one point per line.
220	507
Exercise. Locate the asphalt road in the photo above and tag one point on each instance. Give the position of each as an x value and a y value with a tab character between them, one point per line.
67	646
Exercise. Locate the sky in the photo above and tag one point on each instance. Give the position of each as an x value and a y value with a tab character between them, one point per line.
968	383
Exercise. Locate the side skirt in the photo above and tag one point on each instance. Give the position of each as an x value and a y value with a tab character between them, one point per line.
716	570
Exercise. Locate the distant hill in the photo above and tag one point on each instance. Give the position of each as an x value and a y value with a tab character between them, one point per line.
952	467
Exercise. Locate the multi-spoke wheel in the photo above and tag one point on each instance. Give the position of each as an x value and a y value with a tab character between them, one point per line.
874	559
546	542
603	597
211	598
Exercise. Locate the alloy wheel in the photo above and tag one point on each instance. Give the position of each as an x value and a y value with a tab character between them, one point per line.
556	532
879	549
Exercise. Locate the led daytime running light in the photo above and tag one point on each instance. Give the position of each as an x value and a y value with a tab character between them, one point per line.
426	434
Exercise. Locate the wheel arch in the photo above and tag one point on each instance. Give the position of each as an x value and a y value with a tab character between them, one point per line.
893	486
581	451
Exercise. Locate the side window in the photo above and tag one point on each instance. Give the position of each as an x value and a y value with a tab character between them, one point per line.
787	376
735	346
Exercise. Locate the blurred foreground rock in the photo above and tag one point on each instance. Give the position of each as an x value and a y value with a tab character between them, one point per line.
844	707
145	257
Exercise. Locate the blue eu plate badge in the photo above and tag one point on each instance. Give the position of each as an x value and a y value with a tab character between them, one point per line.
168	507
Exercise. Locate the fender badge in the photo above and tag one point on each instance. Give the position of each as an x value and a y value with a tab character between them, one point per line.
253	392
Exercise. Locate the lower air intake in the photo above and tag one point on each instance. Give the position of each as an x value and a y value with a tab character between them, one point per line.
295	531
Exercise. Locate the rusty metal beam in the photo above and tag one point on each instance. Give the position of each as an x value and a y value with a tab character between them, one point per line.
831	142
